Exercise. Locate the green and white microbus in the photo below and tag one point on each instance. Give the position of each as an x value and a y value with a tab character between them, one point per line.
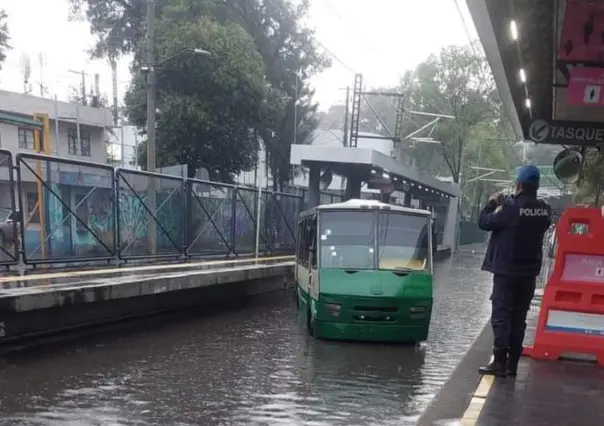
364	271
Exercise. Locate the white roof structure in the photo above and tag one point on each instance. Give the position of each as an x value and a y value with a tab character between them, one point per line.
356	203
372	161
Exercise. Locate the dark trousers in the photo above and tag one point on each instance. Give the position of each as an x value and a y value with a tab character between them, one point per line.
511	300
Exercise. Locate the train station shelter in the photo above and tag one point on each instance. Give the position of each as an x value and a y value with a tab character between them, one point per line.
547	58
362	165
376	170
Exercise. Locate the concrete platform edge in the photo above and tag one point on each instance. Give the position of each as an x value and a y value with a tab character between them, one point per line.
451	403
33	316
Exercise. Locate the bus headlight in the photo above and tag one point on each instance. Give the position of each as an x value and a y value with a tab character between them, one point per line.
332	309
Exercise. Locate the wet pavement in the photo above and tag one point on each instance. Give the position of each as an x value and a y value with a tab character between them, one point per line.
252	365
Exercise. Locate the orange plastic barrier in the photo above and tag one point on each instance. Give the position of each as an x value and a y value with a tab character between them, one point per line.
572	311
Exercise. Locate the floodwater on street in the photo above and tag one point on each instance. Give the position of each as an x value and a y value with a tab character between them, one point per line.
249	366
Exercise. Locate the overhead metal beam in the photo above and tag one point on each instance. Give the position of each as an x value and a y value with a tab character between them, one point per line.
391	94
486	168
425	126
484	175
420	140
432	114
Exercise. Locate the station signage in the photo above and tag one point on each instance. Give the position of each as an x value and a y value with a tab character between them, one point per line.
580	35
585	86
566	132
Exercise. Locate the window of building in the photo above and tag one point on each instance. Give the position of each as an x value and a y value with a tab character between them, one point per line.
26	138
33	209
81	148
85	143
72	141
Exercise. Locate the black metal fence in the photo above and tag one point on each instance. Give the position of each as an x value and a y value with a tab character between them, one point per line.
9	241
60	210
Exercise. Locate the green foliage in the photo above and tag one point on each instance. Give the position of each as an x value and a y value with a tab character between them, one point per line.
287	48
4	36
590	188
292	58
89	100
455	82
208	106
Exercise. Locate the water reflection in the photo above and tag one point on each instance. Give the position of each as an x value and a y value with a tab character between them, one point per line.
251	366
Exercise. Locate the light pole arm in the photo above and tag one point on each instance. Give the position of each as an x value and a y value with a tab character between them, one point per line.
180	52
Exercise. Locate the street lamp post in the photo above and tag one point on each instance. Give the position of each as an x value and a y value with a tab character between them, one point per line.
150	69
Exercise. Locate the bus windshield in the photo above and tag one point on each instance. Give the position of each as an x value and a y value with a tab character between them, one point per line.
347	239
403	242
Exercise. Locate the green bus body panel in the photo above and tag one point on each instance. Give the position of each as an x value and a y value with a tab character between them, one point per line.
372	283
375	305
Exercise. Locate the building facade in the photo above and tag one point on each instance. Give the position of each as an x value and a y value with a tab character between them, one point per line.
75	132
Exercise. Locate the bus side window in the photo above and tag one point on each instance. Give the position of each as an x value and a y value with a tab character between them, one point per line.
313	241
304	242
299	237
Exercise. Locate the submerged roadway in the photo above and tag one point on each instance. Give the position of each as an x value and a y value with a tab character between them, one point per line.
247	365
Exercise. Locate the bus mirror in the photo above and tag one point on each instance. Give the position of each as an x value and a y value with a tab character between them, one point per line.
567	166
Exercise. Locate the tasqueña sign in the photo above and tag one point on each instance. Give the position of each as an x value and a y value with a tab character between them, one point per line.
560	132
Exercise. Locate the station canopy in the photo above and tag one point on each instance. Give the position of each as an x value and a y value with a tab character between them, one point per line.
547	57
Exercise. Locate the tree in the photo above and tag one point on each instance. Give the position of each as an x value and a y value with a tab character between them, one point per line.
590	188
4	36
457	82
288	49
290	53
208	106
91	99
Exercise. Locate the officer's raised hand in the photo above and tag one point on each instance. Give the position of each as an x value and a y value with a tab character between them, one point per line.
495	197
496	215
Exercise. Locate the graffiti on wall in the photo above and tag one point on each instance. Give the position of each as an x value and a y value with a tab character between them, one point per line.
80	222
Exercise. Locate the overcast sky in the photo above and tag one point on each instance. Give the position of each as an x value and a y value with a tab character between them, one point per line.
379	38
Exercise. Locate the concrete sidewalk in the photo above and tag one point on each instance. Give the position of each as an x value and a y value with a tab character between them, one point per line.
545	393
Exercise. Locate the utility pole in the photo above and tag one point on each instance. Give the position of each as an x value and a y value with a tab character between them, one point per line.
295	111
41	63
151	164
151	86
114	90
295	135
346	130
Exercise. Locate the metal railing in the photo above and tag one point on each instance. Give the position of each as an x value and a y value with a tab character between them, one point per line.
9	231
71	211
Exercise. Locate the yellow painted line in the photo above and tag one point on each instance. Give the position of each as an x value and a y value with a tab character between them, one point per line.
70	274
479	397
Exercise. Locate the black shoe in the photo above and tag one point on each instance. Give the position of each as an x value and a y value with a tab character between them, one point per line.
512	371
495	368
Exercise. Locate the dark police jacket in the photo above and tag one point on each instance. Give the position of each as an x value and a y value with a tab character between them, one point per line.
517	230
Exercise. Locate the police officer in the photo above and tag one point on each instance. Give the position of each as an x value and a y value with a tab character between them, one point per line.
517	224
